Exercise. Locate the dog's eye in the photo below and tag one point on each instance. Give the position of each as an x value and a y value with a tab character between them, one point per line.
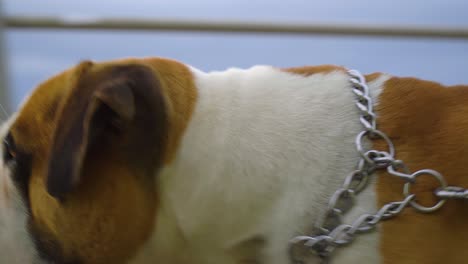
9	149
19	163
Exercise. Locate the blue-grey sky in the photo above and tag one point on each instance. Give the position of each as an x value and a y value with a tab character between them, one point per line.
35	55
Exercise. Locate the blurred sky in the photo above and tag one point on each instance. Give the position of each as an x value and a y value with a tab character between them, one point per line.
36	55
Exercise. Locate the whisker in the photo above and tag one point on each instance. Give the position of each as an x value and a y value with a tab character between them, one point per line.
4	112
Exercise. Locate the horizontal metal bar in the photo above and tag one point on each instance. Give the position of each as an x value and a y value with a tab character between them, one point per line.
22	22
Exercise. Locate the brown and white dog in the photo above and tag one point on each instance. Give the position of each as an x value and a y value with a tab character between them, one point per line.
152	161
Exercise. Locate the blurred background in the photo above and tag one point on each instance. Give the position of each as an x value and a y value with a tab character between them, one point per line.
30	55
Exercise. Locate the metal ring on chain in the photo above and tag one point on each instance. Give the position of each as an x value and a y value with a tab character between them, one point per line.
379	134
416	205
405	175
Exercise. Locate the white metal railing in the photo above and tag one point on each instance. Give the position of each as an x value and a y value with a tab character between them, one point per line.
68	23
18	22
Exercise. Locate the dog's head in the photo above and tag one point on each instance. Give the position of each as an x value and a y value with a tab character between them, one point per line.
82	154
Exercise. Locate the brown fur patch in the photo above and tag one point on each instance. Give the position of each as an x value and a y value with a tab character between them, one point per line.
311	70
372	77
179	87
111	212
428	124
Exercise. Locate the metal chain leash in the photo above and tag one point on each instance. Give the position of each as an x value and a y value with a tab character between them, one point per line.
330	231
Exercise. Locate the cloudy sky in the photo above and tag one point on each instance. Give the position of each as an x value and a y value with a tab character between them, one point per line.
35	55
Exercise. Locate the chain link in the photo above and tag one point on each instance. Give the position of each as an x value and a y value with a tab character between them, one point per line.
452	192
330	232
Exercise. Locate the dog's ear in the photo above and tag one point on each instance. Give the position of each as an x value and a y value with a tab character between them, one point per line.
99	105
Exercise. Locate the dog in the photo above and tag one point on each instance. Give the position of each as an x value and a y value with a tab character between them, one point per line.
149	160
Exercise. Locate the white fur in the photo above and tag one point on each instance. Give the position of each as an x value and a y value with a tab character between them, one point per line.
263	153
